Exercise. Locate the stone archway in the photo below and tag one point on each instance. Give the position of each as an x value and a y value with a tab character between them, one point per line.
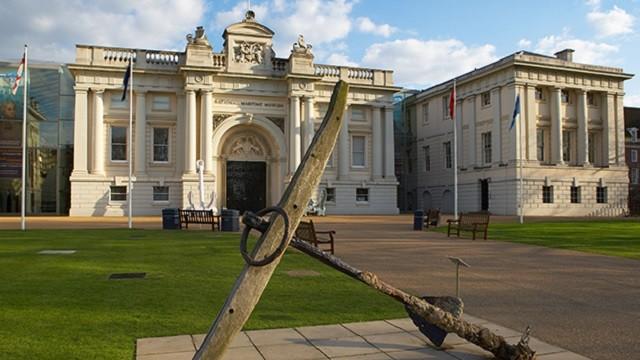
248	155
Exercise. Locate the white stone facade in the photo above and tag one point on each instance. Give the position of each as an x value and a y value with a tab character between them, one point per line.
241	105
571	129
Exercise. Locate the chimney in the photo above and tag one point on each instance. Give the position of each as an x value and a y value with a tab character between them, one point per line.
566	54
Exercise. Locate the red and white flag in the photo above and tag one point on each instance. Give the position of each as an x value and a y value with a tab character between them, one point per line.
452	103
16	84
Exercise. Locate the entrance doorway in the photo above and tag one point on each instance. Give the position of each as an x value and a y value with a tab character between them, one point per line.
246	185
484	194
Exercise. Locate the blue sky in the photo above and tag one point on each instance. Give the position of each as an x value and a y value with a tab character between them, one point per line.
424	42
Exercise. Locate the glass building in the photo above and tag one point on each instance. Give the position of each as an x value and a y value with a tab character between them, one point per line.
50	108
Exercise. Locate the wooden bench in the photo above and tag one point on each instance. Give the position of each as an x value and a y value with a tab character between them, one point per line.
432	218
199	217
307	232
474	222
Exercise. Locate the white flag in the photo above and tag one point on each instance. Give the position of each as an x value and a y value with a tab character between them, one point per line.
16	84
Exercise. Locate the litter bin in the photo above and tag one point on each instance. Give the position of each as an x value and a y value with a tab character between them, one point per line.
418	219
230	220
170	219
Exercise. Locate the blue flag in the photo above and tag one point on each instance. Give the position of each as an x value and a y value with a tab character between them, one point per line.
516	112
125	81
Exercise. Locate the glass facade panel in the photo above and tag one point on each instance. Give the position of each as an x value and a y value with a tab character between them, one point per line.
49	139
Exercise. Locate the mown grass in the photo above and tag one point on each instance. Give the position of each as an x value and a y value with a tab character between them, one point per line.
607	237
64	306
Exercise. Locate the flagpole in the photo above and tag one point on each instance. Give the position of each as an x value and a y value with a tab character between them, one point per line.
521	169
23	223
455	153
130	187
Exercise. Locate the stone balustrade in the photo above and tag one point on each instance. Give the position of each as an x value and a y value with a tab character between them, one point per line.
355	75
219	60
119	57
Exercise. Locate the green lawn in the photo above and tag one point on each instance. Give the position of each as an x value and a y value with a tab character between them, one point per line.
608	237
64	306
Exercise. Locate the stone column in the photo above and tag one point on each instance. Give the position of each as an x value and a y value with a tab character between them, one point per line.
190	138
180	133
620	131
294	134
378	142
140	163
309	129
496	128
583	128
471	160
389	153
556	127
343	146
98	132
608	130
530	112
206	123
80	133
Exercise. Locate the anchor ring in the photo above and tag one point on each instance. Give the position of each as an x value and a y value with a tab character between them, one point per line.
253	221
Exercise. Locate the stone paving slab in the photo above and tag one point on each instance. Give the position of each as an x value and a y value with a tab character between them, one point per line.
395	339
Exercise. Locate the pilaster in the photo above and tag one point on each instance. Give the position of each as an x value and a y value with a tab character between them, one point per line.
471	160
583	129
608	129
531	118
343	145
140	163
309	130
496	129
98	132
378	143
389	167
190	138
206	123
556	127
80	133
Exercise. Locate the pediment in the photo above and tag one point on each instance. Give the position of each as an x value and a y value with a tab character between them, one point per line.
248	28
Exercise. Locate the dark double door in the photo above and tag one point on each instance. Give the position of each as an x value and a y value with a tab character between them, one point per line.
484	194
246	185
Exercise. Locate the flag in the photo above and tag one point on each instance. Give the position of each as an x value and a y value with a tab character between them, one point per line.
516	112
452	102
16	84
125	81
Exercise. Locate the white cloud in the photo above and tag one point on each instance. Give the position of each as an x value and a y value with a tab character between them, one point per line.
340	59
524	43
321	22
613	22
368	26
593	3
52	28
588	52
236	14
632	100
422	63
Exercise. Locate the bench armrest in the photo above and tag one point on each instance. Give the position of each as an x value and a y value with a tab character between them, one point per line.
451	221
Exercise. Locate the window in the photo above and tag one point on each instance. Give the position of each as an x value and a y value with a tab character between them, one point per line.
161	144
331	194
540	143
486	98
564	96
635	176
634	155
425	113
445	107
160	193
357	151
118	193
118	143
591	99
539	94
566	146
117	103
427	158
486	147
446	148
591	144
357	114
575	194
547	194
161	103
601	194
362	195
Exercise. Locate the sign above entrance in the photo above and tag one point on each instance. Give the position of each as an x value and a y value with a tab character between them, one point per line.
243	104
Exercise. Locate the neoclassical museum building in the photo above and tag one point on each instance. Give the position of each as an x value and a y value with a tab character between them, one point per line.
245	114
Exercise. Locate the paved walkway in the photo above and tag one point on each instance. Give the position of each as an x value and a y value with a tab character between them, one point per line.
375	340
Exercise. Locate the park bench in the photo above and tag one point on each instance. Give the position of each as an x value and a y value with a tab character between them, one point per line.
188	216
474	222
307	232
432	218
